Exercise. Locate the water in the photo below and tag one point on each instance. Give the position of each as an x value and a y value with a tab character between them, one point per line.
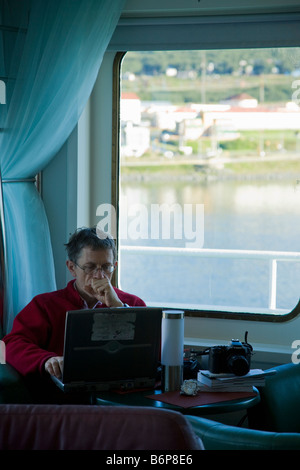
237	215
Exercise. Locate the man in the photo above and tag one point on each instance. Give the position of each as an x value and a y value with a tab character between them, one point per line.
35	345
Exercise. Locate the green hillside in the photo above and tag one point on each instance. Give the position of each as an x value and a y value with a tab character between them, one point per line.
212	76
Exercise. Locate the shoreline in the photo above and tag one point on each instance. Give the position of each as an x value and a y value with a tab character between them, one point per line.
245	168
197	176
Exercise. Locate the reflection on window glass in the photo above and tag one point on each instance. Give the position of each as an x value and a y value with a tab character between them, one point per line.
210	179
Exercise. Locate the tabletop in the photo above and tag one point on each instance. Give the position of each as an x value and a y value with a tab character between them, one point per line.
201	404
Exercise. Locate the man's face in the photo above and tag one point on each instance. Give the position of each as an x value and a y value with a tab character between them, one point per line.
85	269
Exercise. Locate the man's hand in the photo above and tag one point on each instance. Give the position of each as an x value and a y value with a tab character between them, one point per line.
104	291
54	366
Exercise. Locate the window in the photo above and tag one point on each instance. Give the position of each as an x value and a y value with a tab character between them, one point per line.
210	179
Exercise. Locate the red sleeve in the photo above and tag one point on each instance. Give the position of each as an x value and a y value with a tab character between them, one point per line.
28	342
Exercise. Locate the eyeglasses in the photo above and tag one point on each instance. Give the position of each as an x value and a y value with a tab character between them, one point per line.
106	268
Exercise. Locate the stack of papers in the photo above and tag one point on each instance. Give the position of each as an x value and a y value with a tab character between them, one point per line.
231	382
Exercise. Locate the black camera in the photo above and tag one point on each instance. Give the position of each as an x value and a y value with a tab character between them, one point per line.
234	358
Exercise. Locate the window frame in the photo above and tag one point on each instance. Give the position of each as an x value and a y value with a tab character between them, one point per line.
134	35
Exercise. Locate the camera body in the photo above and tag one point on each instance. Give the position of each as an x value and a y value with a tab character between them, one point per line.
234	358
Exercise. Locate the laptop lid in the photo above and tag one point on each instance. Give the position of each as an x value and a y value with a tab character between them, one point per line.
109	348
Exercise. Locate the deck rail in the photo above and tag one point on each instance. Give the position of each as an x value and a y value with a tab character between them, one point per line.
273	257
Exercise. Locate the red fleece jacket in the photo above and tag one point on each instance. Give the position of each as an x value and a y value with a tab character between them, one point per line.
38	330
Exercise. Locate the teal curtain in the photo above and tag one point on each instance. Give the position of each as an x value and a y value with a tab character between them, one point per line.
55	63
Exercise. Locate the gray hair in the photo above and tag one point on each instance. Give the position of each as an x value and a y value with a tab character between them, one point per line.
89	237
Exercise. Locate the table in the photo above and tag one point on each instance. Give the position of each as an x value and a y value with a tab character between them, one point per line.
210	403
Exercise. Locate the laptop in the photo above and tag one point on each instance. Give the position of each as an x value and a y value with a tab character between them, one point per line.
111	348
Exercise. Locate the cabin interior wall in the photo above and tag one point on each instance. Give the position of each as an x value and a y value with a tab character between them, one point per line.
59	193
100	187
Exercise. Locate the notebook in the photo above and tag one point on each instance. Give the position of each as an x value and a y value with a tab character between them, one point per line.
111	348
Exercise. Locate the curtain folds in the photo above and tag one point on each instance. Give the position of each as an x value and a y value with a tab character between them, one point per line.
58	63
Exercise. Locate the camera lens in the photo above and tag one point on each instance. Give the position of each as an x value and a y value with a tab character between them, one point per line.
238	365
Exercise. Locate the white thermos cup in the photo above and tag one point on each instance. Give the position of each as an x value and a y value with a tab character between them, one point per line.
172	344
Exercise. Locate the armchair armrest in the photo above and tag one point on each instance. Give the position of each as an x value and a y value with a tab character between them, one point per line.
218	436
12	386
